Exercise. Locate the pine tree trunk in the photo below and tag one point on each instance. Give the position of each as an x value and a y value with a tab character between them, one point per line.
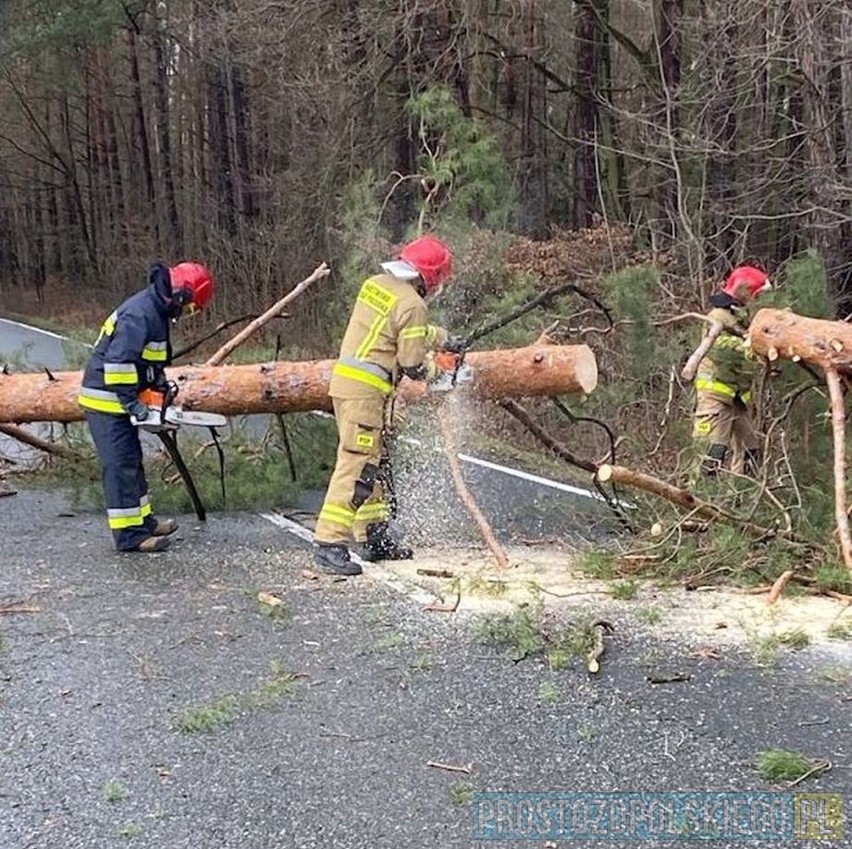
165	135
282	387
781	334
533	177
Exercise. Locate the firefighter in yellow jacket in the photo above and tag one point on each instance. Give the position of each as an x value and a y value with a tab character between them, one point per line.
387	337
723	369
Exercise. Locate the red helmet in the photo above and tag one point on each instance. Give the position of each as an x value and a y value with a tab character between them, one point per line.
432	259
755	280
192	285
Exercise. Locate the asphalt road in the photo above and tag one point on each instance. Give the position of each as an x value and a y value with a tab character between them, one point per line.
25	346
117	650
37	348
107	661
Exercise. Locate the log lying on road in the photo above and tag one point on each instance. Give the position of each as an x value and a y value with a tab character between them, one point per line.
289	387
783	334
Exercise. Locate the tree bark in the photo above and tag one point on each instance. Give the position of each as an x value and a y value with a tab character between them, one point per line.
281	387
669	42
532	167
783	334
822	177
221	148
589	37
141	150
680	497
838	429
241	142
163	99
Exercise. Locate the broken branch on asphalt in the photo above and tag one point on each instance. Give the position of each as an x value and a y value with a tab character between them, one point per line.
468	769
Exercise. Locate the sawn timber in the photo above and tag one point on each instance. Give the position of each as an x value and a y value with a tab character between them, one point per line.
285	387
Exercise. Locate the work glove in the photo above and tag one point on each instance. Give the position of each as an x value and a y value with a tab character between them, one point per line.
138	410
432	371
435	337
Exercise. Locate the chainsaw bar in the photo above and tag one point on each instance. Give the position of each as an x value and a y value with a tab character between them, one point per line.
169	440
177	416
449	380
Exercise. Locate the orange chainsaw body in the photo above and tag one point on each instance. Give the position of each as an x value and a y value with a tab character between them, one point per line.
152	398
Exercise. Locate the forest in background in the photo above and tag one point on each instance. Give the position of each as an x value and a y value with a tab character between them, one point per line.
264	136
640	147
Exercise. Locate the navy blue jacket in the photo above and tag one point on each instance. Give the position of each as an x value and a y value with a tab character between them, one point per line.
132	349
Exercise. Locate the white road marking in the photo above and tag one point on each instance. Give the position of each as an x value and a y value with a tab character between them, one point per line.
526	476
506	470
32	329
372	570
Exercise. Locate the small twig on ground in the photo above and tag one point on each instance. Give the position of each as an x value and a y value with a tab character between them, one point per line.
674	678
818	768
600	628
778	586
436	573
19	607
438	606
575	593
846	599
468	770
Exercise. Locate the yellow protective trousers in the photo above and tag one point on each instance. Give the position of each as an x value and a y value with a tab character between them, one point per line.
355	497
719	420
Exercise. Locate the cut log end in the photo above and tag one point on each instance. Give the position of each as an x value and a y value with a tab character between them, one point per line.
586	369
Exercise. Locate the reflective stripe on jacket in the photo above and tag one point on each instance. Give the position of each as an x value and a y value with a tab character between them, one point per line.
387	331
131	350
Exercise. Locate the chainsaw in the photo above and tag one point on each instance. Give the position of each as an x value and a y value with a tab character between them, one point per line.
164	418
454	371
163	414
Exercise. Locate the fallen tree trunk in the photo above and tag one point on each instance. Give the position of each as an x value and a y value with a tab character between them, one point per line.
783	334
285	387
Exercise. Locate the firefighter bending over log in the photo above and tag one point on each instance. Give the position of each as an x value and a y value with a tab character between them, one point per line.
387	337
130	356
723	368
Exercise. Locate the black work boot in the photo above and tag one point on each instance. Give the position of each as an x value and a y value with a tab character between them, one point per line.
714	459
381	545
334	558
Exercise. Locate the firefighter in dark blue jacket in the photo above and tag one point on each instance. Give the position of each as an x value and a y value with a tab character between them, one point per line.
130	355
